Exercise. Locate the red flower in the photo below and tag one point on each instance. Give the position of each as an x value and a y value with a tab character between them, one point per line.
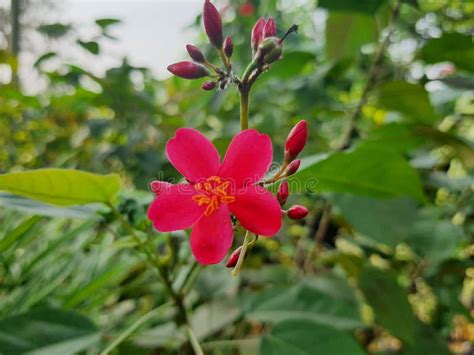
216	190
247	9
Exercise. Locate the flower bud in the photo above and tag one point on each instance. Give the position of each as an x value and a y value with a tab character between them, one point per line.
233	258
269	30
188	70
269	50
209	85
296	140
157	187
213	24
283	192
195	53
228	47
257	34
247	9
297	212
293	167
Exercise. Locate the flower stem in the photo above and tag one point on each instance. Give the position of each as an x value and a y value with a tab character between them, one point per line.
194	341
243	251
244	108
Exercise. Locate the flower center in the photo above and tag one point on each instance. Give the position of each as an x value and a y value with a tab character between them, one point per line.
212	193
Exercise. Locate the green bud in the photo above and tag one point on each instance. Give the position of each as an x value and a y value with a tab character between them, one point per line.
269	50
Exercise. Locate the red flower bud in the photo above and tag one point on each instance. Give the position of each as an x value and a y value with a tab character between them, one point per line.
228	47
283	192
209	85
293	167
296	140
269	30
159	186
233	258
297	212
213	24
188	70
195	53
257	34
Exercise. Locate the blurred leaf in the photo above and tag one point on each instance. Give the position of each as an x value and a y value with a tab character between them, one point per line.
427	341
366	6
394	136
383	221
291	66
47	332
411	100
44	58
92	46
322	300
362	171
62	187
304	337
213	316
346	33
18	232
436	240
459	82
104	23
54	30
450	47
389	302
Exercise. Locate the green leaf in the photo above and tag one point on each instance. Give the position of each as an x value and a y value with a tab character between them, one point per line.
427	341
54	30
44	58
451	47
62	187
47	332
383	221
394	136
364	6
18	232
410	100
92	46
363	171
106	22
304	337
322	300
389	302
293	64
346	33
436	240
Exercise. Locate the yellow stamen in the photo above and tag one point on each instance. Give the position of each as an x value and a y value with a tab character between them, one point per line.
212	192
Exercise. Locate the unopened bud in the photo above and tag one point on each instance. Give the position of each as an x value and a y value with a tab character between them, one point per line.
257	34
293	167
228	47
297	212
195	53
269	30
296	140
157	187
233	258
270	50
283	193
188	70
213	24
209	85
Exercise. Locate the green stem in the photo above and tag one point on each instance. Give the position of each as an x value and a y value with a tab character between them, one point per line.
244	108
194	341
245	245
130	330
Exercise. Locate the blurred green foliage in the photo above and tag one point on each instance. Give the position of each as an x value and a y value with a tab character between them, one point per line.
383	263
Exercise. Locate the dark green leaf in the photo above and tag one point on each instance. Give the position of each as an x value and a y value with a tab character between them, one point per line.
44	58
411	100
104	23
389	302
304	337
364	6
55	30
92	46
47	332
427	341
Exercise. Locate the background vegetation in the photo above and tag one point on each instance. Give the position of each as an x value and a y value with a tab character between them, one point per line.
383	263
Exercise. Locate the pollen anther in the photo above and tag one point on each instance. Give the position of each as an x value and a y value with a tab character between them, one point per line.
212	192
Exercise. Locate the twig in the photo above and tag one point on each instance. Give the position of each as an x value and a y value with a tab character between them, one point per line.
318	238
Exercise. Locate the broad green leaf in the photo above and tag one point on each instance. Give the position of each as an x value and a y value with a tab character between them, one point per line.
411	100
305	337
394	136
62	187
427	341
451	47
54	30
362	171
389	302
382	221
47	332
346	33
366	6
435	240
293	64
106	22
92	46
322	300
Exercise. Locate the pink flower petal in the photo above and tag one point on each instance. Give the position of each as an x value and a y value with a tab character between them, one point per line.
173	209
211	237
192	154
248	158
257	210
